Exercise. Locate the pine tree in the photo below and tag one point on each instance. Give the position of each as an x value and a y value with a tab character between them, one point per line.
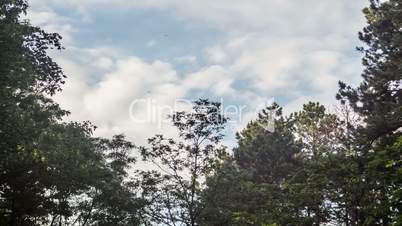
378	100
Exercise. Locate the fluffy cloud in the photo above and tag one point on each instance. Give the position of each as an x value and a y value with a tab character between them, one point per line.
105	99
284	16
59	24
215	79
292	51
128	94
292	65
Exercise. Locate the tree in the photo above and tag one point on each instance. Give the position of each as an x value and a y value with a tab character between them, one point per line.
378	98
378	101
182	165
270	155
49	169
113	197
26	73
249	188
319	134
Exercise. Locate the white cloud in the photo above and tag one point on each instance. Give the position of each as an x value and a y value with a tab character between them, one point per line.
214	78
51	22
286	49
103	94
106	98
289	66
283	16
215	54
103	63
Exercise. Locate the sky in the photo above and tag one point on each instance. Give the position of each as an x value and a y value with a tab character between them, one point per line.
131	62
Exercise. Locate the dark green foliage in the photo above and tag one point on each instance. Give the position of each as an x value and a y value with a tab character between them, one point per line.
378	101
51	172
253	182
270	156
25	65
379	96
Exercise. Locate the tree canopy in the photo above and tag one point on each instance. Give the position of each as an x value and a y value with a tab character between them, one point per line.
318	167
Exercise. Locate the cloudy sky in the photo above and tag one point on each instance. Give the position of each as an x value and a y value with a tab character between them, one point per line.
245	53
